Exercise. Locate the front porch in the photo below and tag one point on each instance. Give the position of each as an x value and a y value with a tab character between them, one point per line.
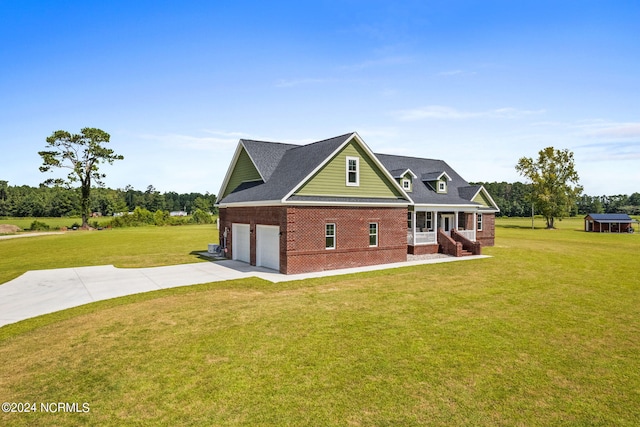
431	231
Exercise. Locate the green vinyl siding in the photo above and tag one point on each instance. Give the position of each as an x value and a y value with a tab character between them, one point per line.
243	171
482	199
331	180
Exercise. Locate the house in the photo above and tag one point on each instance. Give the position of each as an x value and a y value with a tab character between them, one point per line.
335	204
608	223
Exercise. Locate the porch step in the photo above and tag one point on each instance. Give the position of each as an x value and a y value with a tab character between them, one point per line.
466	253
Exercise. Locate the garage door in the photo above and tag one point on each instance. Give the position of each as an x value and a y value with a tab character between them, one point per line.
268	246
240	242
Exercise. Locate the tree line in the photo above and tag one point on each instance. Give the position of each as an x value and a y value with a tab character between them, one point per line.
59	201
514	200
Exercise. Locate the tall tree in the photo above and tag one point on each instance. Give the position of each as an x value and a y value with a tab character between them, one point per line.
554	182
82	154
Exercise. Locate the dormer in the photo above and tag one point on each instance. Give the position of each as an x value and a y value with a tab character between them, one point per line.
438	181
405	178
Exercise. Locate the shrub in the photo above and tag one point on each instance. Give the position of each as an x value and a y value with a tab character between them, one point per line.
161	217
39	226
201	217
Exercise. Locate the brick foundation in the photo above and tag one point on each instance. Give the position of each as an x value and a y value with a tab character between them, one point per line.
423	249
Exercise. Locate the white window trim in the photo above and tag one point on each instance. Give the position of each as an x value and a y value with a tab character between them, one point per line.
406	184
479	221
357	183
376	234
442	186
326	235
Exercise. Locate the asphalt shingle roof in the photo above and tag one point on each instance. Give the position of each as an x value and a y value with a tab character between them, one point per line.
284	166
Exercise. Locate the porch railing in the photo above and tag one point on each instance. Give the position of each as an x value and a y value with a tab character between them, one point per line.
422	238
468	234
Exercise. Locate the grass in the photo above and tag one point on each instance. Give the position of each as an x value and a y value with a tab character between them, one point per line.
123	247
544	333
53	222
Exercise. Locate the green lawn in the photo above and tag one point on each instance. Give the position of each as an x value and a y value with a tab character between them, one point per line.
53	222
123	247
543	333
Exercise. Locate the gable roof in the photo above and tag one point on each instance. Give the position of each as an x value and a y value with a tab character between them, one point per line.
621	218
286	167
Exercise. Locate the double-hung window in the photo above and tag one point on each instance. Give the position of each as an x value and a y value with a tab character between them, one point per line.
429	221
353	171
330	236
479	222
373	234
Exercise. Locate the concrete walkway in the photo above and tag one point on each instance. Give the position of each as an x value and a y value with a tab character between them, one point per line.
47	291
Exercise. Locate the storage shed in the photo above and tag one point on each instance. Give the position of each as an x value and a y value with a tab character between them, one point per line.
609	223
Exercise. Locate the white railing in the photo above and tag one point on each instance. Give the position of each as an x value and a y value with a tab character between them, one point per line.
469	234
422	238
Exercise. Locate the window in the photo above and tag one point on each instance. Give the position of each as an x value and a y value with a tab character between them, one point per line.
442	187
330	236
373	234
410	220
406	184
353	171
479	222
429	222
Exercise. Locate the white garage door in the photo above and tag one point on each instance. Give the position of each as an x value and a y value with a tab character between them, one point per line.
240	242
268	246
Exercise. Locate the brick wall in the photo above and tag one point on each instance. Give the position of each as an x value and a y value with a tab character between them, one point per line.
306	237
302	243
423	249
265	215
488	233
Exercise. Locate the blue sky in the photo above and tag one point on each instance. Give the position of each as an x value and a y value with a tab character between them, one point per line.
178	83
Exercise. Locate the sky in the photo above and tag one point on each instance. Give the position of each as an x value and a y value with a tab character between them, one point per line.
176	84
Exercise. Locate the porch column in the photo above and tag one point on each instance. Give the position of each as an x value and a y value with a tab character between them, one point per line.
455	220
413	225
475	226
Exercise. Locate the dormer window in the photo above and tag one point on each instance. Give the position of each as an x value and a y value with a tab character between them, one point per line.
442	186
406	184
353	171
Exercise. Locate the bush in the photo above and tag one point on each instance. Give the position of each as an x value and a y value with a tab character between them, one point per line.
39	226
201	217
161	217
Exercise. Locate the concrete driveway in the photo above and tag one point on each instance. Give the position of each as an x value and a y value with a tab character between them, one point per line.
47	291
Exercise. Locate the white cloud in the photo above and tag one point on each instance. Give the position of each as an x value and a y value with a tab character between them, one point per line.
206	143
615	131
449	113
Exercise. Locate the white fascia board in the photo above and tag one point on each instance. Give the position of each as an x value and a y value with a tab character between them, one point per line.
411	172
449	207
249	204
232	166
253	161
486	193
230	169
445	174
327	203
358	139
